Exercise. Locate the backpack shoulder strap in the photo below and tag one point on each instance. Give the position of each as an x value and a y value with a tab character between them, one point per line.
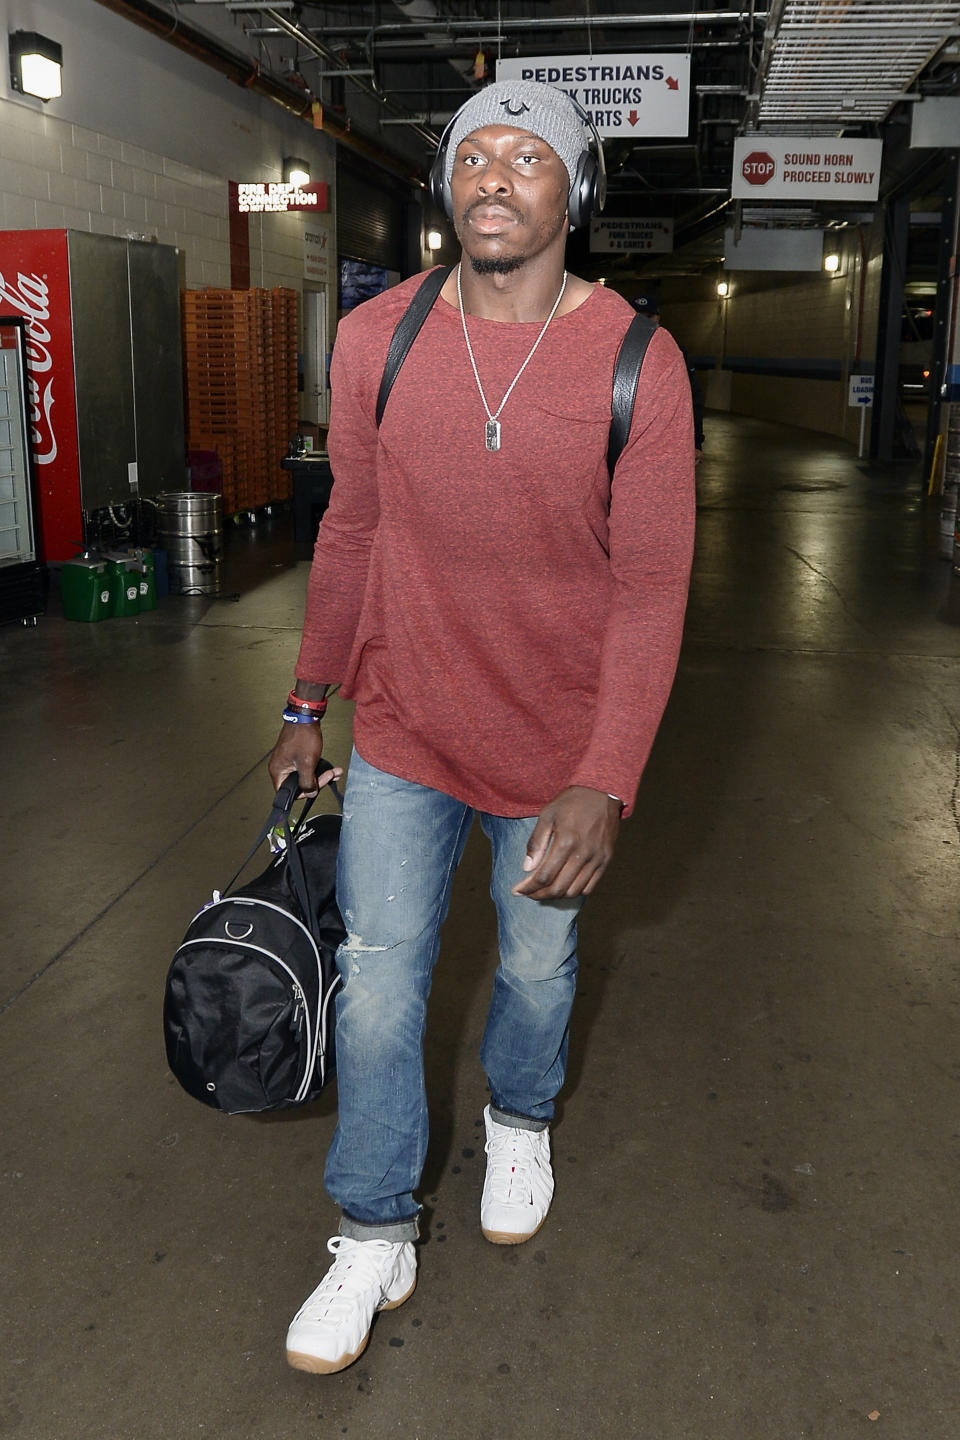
407	331
626	376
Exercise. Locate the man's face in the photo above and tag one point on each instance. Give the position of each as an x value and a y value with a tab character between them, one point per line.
509	192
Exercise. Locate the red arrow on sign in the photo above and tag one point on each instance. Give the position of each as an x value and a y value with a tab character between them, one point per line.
633	117
672	84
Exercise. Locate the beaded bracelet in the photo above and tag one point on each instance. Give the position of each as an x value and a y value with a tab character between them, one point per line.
296	717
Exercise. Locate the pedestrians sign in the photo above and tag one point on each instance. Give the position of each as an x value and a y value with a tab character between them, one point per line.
626	94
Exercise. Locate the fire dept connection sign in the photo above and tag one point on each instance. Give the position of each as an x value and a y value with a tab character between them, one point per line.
794	167
622	94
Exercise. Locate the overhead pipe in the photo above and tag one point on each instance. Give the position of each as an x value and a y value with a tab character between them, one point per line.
415	11
421	50
454	26
243	72
304	37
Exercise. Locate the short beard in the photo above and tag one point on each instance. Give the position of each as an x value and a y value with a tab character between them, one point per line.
504	265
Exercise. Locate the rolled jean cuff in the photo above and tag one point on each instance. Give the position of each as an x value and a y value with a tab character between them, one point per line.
515	1122
396	1231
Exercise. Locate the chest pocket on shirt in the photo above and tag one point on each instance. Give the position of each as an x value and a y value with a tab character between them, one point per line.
564	458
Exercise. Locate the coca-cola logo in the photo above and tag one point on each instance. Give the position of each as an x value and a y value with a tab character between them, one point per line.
31	298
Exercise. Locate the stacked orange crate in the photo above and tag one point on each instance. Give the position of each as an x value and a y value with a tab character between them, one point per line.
286	407
255	414
272	453
240	350
221	386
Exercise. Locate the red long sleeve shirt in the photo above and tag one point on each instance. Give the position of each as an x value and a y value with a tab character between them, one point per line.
507	621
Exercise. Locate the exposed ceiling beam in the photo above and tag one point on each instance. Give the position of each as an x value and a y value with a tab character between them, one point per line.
201	45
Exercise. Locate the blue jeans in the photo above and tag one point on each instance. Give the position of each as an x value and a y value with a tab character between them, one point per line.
400	845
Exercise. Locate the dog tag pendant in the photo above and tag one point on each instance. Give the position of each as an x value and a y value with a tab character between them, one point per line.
492	434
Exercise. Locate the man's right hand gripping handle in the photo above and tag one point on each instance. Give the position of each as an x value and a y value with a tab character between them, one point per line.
299	745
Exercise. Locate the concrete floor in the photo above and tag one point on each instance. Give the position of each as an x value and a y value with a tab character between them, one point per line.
756	1221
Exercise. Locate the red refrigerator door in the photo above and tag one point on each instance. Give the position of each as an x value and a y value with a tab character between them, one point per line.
35	284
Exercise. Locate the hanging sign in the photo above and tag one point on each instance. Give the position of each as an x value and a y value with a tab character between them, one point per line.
276	198
609	236
622	94
794	167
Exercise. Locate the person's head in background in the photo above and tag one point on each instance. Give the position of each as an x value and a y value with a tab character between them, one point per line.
647	305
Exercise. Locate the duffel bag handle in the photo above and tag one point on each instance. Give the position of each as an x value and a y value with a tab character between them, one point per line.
289	789
279	819
283	802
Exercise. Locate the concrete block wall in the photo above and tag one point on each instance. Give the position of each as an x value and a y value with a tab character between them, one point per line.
774	316
143	142
55	175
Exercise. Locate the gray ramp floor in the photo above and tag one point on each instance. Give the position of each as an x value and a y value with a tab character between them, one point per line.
755	1226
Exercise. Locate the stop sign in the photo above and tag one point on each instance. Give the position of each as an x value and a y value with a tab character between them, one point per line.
758	167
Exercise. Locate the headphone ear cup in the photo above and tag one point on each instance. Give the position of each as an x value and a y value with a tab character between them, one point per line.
583	192
439	184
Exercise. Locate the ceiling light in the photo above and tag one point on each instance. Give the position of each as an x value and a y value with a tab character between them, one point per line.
434	240
36	65
296	171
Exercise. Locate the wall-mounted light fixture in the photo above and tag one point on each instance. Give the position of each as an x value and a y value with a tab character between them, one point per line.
434	240
831	263
296	171
723	289
36	65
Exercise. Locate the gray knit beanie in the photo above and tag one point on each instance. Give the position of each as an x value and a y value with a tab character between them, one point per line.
541	109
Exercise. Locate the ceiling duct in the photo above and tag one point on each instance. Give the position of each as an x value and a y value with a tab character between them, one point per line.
309	41
415	11
847	62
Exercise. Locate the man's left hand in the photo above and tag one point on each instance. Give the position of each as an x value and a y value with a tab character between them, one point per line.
571	845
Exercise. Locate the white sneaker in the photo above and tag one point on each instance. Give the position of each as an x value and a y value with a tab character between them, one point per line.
518	1186
332	1327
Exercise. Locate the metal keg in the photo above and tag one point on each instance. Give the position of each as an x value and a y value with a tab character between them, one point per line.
191	532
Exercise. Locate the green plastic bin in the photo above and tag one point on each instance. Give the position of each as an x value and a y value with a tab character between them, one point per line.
125	585
86	588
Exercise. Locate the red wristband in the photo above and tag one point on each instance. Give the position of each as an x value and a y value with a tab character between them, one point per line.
319	706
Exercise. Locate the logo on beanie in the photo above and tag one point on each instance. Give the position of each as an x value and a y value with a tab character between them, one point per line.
508	106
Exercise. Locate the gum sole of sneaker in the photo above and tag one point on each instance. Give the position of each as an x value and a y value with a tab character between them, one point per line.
316	1365
503	1237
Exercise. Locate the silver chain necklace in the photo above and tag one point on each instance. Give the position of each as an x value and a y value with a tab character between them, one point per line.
491	430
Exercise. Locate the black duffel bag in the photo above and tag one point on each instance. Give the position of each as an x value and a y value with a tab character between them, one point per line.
248	1011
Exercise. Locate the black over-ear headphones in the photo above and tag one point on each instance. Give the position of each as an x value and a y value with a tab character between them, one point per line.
588	189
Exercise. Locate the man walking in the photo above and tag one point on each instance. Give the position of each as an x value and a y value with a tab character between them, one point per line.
508	622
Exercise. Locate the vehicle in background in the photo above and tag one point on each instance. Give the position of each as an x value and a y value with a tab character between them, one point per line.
916	348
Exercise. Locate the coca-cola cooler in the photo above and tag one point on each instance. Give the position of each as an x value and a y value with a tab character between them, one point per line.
105	390
21	575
